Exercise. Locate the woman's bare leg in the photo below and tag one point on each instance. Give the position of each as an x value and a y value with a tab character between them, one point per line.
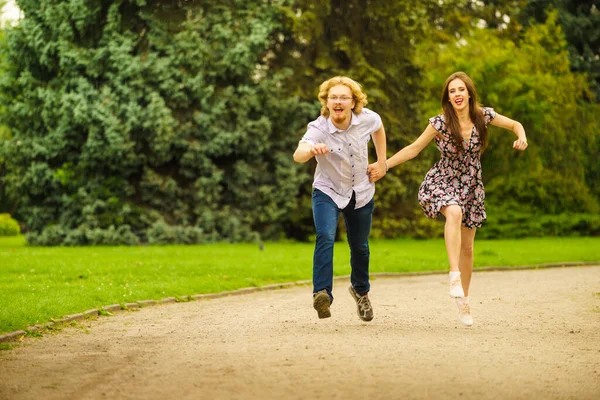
452	234
466	257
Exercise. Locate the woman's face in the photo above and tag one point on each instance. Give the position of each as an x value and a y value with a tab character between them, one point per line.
458	95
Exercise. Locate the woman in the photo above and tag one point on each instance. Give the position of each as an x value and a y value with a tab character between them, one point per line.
453	186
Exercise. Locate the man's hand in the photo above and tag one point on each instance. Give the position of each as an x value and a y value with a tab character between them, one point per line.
319	149
376	171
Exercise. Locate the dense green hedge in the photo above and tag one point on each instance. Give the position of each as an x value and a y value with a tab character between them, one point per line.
515	224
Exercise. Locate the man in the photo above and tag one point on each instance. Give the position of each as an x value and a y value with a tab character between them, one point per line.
338	139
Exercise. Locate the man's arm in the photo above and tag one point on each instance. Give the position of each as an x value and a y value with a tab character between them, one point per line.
306	151
303	153
381	149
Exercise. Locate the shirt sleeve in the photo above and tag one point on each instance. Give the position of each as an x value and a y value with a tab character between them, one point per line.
374	120
313	134
488	114
377	123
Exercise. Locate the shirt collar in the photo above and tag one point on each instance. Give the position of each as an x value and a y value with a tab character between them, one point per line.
354	120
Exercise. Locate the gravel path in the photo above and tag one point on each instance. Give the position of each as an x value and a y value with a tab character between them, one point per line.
536	336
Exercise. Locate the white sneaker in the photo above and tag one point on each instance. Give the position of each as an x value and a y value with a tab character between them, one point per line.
456	289
464	312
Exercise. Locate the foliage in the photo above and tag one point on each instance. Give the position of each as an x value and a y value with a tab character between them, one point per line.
127	114
8	226
373	43
510	19
514	223
147	121
413	57
580	21
531	82
161	233
7	203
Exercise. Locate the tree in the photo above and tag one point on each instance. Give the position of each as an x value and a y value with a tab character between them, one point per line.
372	42
531	82
7	203
580	21
153	121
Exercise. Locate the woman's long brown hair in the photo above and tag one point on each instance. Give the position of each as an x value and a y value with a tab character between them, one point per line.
475	112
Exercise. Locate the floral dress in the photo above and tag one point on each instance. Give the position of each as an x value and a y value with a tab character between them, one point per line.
456	177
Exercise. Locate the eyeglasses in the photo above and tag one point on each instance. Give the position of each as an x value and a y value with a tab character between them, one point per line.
342	99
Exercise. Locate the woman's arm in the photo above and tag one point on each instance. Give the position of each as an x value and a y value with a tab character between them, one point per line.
413	149
512	125
407	153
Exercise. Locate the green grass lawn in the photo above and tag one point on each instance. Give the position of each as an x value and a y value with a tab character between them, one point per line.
40	283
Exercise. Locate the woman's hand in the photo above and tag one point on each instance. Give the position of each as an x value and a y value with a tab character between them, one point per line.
520	144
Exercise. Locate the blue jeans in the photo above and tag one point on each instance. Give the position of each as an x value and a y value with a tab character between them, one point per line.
358	226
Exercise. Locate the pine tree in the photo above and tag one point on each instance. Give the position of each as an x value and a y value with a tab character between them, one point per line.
149	121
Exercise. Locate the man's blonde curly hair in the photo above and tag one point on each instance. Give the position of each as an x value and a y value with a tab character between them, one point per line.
360	98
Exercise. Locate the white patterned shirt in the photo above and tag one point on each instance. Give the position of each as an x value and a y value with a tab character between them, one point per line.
344	169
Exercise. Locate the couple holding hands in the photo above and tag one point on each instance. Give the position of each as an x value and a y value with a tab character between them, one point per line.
344	181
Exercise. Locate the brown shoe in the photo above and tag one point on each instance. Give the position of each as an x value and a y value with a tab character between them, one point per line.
363	305
321	303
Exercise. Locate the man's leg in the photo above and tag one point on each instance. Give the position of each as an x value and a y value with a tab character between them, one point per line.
358	227
325	215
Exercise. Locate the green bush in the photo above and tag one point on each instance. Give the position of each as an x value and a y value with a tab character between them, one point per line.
8	226
161	233
523	224
56	235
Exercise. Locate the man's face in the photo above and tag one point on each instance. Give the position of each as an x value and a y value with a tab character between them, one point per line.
340	103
